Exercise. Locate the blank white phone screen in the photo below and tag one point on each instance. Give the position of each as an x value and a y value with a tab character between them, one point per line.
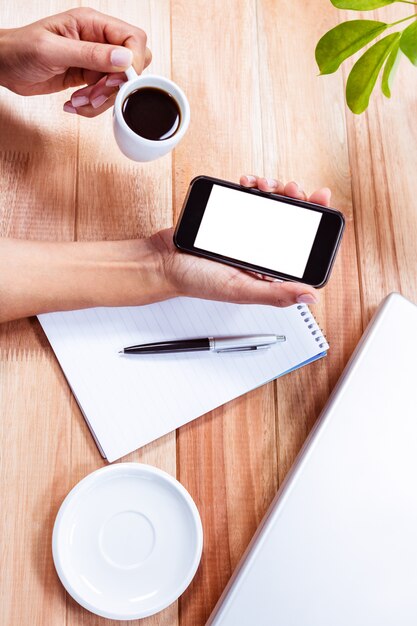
269	233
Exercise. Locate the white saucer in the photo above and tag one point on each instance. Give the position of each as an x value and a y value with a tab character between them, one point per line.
127	541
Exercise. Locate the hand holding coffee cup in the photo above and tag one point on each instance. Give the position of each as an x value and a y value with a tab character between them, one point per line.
150	117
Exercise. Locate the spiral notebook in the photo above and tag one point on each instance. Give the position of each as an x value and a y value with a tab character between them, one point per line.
128	401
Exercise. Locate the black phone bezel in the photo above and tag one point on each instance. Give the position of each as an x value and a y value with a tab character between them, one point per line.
323	251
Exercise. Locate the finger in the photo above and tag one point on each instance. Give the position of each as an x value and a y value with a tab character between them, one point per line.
91	77
99	57
96	26
293	190
270	185
262	276
148	58
88	110
322	196
96	95
76	76
115	79
99	93
68	108
81	97
253	291
248	180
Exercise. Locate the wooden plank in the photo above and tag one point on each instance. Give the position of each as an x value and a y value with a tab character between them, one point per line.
304	138
120	199
227	458
383	153
34	467
38	146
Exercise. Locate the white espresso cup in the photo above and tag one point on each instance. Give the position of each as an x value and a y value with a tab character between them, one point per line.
130	143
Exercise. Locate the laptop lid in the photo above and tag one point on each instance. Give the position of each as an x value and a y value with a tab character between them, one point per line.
338	547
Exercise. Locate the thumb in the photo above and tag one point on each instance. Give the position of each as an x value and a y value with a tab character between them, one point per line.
255	291
100	57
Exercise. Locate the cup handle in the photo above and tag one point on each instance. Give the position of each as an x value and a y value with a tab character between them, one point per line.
130	73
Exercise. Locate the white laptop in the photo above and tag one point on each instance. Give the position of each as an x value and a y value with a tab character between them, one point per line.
338	547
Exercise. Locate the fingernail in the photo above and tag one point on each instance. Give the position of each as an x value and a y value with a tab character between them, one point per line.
250	179
299	187
114	82
271	182
121	57
306	298
97	102
79	101
69	109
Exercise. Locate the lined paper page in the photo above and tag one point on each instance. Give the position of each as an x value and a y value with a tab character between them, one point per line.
130	400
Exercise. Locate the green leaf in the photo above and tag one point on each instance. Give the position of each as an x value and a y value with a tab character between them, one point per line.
343	41
361	5
408	42
364	73
390	69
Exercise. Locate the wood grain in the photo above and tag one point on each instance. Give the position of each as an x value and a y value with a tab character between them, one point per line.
257	107
120	199
383	153
37	196
227	458
304	135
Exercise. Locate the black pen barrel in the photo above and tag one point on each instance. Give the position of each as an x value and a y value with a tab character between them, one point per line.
185	345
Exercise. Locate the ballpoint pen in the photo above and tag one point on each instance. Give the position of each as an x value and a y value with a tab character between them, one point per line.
239	343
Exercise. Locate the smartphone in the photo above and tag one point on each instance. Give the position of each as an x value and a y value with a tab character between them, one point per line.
262	232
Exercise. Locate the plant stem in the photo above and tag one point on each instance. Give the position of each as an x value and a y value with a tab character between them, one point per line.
407	2
410	17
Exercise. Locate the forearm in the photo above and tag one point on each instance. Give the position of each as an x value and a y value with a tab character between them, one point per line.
38	277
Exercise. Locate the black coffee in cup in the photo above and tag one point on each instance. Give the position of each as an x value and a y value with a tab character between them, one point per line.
152	113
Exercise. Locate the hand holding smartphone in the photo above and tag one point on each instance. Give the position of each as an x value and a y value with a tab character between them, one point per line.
266	233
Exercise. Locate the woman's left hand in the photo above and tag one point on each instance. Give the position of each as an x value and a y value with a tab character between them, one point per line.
197	277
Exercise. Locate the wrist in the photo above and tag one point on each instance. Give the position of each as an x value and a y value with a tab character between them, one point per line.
162	243
5	54
114	273
123	273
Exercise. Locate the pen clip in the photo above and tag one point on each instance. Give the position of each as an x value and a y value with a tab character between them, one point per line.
243	349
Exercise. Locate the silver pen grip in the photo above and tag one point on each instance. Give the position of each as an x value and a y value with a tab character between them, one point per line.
242	342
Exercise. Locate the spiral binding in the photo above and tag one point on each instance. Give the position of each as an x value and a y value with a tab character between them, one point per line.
313	327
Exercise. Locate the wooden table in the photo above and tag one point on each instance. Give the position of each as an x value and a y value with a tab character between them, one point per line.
257	107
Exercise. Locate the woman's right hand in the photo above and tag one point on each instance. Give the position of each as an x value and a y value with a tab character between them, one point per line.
78	47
